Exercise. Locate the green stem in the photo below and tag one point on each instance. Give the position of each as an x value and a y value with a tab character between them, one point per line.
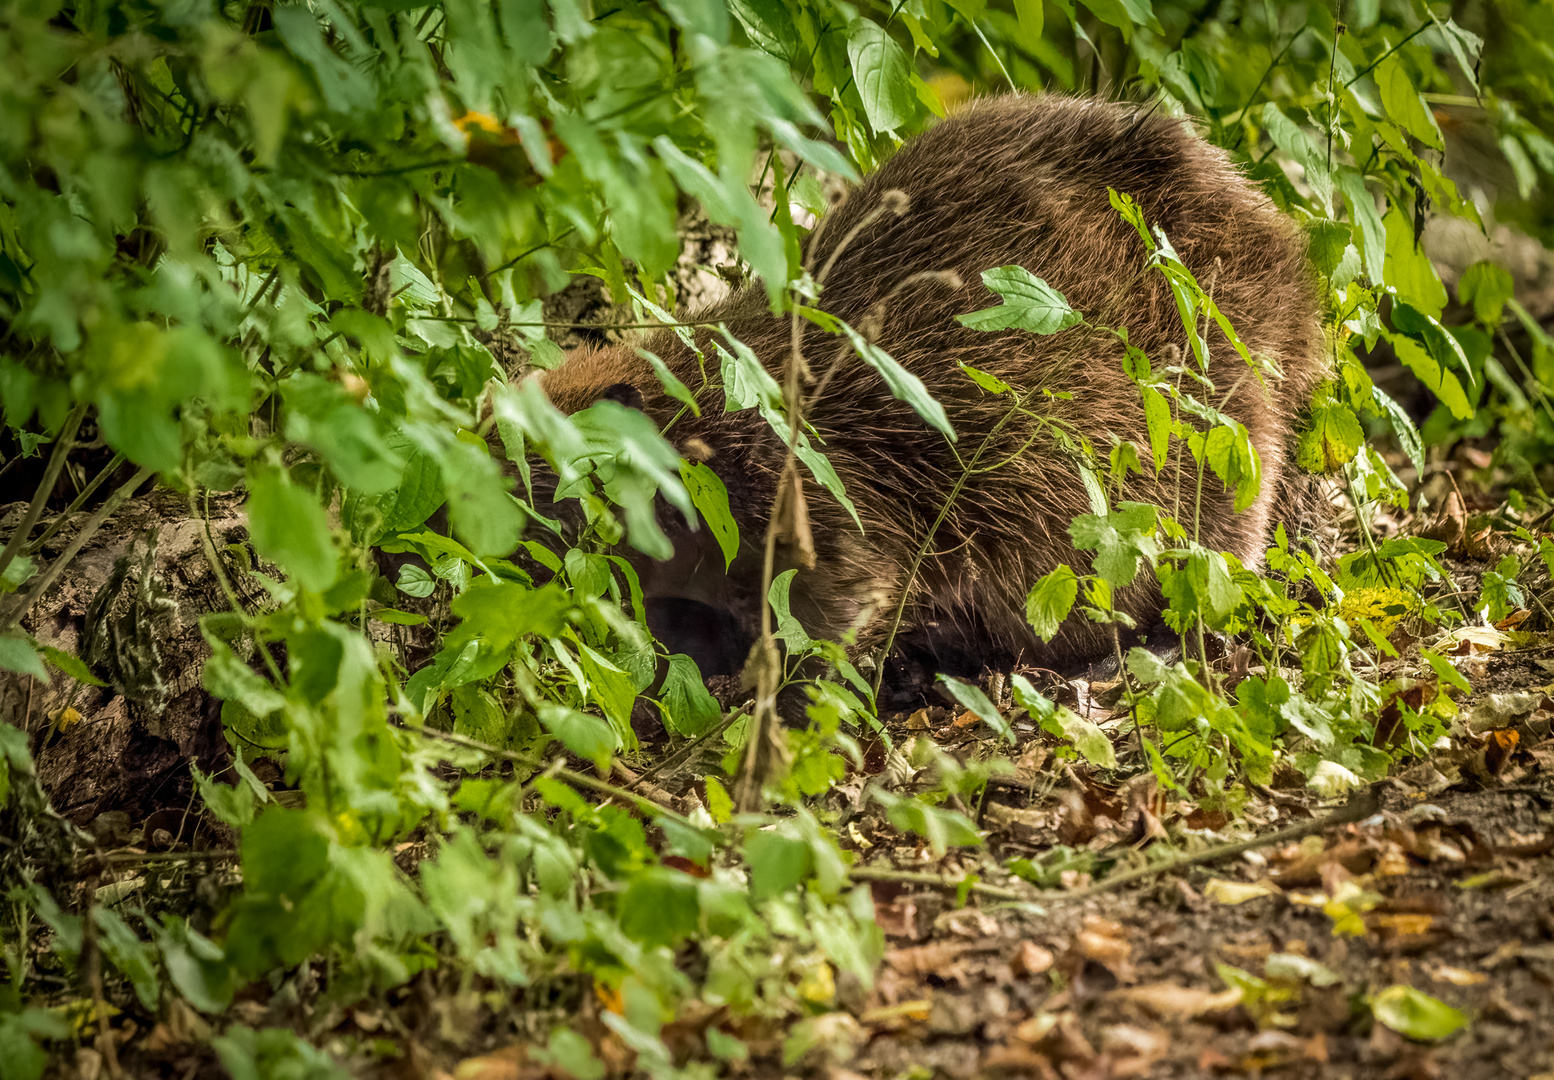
922	549
86	493
57	567
62	447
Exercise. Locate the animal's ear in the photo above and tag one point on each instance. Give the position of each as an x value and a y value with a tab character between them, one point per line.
623	393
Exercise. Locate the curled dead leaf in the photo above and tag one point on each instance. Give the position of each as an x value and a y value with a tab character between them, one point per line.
1231	893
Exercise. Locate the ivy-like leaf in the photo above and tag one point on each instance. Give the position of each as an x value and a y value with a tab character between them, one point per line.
1029	304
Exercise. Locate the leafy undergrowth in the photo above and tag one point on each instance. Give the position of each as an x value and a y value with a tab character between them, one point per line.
1020	885
289	257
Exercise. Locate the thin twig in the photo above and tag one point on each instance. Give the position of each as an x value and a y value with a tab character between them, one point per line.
91	963
1359	807
685	751
62	448
917	877
571	776
1366	70
57	567
86	493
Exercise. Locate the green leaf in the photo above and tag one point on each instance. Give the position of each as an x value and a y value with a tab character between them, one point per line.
610	687
1403	427
1198	587
789	632
972	698
1403	103
1363	216
132	956
1050	600
671	382
17	654
659	907
991	383
1446	671
1119	539
720	804
1335	257
502	612
16	575
1416	1015
1293	140
196	966
711	498
1444	384
589	737
284	852
882	74
1230	455
228	678
415	581
1031	15
778	861
1029	304
273	1052
1486	288
71	666
21	1058
688	708
1409	270
1331	440
1088	739
289	528
903	384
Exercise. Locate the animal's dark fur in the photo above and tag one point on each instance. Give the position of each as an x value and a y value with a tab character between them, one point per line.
1011	180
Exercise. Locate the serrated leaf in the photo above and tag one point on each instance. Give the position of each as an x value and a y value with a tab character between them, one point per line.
1050	600
1331	440
1403	427
289	528
17	654
1055	719
71	665
1363	216
1119	539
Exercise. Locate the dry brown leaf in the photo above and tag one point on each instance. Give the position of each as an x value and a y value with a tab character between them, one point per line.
1167	1001
1133	1049
1457	976
919	960
898	918
1031	959
509	1063
1105	942
1231	893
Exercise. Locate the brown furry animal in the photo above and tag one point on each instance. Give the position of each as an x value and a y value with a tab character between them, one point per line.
1011	180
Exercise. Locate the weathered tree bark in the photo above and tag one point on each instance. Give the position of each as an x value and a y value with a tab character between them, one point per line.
129	606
